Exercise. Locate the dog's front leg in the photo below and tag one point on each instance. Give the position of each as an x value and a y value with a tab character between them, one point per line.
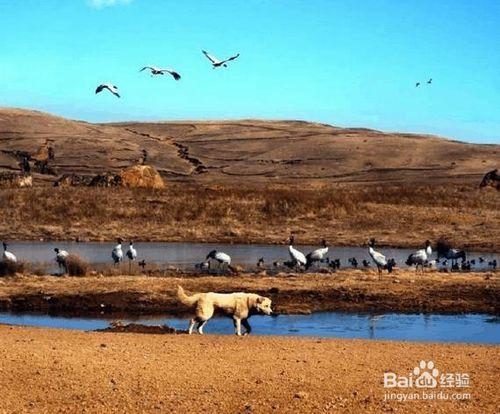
237	326
191	326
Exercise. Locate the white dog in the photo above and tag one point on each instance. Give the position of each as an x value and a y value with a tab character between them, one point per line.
240	306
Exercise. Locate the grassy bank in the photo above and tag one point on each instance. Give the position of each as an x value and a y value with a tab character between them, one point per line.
396	216
346	290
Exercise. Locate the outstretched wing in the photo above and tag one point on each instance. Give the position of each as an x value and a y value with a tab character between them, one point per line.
174	74
210	58
146	67
232	58
99	88
113	90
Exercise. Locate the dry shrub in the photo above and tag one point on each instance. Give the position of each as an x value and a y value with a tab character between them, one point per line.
8	268
142	176
76	266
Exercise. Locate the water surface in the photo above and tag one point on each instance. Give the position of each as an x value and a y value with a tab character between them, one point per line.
186	255
473	328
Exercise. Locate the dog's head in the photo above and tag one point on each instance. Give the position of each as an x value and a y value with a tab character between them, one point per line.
263	305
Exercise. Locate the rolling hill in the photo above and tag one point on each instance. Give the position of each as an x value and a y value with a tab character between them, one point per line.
241	152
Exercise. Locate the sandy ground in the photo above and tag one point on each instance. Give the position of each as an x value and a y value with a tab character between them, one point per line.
43	370
346	290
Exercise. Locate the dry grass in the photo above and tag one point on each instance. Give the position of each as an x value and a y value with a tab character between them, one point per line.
76	266
8	268
346	290
399	216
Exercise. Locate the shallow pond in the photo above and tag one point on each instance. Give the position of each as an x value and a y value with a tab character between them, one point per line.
473	328
186	255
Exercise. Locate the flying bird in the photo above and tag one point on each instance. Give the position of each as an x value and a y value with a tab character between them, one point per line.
216	63
158	71
417	84
112	88
429	81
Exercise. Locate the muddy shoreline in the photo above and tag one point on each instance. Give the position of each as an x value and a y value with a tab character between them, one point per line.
348	290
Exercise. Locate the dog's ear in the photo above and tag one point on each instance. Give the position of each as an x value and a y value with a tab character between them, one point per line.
260	299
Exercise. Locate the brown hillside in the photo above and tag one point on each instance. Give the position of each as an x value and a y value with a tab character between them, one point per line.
247	151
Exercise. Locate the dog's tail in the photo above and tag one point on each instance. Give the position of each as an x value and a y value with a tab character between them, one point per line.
185	299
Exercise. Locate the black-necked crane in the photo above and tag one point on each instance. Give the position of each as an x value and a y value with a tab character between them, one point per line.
8	256
417	84
380	260
429	81
110	87
216	63
298	258
61	259
420	257
142	264
117	253
159	71
317	255
131	254
220	257
260	262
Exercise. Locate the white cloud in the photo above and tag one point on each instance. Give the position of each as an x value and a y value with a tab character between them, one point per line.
99	4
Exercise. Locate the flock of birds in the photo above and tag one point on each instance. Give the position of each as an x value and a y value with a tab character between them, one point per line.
155	71
420	259
417	84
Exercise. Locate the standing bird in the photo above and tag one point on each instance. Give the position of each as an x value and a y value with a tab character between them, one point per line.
221	258
8	256
117	253
298	258
113	89
158	71
216	63
317	255
420	257
379	259
429	81
61	259
142	264
260	262
131	254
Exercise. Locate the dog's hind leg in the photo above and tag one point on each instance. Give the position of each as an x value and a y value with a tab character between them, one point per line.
247	326
191	326
201	324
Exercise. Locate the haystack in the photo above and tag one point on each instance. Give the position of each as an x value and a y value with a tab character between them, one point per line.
142	176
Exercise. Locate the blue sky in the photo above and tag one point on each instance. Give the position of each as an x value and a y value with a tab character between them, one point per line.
348	63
